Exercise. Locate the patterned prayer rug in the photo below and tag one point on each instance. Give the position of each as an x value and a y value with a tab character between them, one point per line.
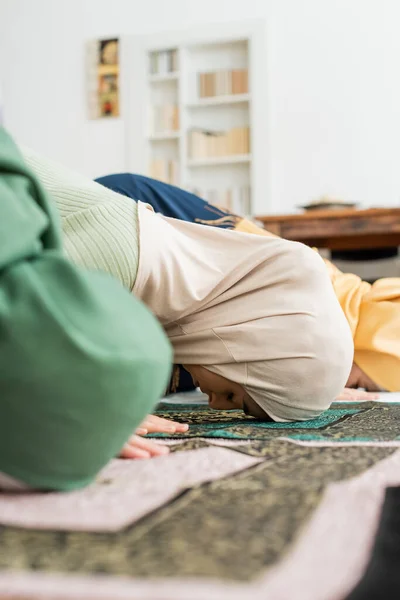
344	422
308	502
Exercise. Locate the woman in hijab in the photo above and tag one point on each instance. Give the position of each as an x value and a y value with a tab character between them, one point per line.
373	311
254	319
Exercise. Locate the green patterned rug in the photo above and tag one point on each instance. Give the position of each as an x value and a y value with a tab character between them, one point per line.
209	529
344	422
233	528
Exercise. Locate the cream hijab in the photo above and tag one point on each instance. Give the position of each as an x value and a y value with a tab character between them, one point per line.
260	311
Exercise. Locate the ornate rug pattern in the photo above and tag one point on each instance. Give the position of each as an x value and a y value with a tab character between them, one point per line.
343	422
232	528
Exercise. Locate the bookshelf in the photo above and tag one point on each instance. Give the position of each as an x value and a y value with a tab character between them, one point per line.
221	100
220	160
194	105
164	135
159	78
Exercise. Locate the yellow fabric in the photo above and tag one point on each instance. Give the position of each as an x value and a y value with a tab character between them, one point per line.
373	313
247	226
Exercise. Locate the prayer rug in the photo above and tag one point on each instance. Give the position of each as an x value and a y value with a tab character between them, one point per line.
124	492
304	511
344	422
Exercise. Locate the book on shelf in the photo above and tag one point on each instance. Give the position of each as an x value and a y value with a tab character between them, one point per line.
236	200
166	170
208	144
163	62
223	82
164	118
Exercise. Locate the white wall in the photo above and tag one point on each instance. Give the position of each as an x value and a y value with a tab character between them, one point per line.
335	101
333	78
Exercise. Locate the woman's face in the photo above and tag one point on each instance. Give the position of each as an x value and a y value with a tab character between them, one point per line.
224	394
359	379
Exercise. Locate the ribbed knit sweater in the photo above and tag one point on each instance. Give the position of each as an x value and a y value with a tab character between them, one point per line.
100	226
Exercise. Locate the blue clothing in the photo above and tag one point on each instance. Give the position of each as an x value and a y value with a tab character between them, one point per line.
169	200
174	202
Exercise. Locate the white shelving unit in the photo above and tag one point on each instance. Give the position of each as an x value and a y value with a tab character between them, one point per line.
221	100
162	77
199	142
233	159
165	135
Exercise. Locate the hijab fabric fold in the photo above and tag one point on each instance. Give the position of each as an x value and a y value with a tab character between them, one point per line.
260	311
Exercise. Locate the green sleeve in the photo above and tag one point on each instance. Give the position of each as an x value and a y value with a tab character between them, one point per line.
83	362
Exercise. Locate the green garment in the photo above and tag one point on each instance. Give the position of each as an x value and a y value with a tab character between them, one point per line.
82	361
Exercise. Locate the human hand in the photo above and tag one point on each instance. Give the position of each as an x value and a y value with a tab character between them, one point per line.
138	447
354	395
153	424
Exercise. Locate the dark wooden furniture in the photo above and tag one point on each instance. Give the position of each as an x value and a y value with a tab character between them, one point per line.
348	229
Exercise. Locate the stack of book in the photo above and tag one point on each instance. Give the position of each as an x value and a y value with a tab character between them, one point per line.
164	118
235	200
165	170
207	144
163	62
220	83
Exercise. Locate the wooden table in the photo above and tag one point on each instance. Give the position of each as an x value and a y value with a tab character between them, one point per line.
348	229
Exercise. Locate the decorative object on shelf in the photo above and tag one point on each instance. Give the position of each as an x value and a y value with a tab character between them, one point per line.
223	82
103	78
165	170
164	118
163	62
205	144
328	203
